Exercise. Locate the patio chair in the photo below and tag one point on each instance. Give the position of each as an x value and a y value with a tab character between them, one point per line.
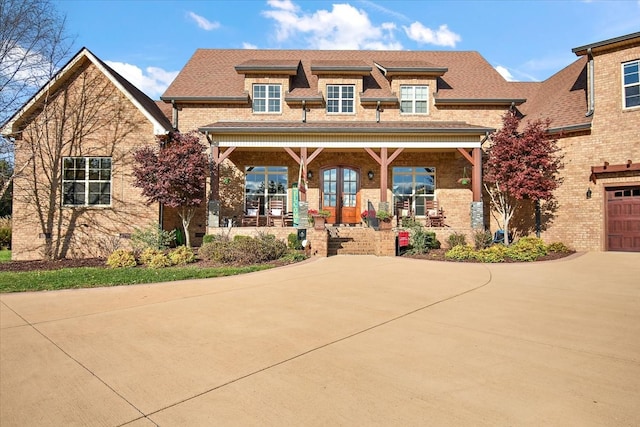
434	213
251	217
403	210
275	212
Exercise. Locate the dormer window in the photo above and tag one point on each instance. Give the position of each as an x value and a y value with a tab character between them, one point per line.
340	98
413	99
631	83
266	98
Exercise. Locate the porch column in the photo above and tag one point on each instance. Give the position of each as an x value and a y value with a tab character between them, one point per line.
383	174
215	159
476	178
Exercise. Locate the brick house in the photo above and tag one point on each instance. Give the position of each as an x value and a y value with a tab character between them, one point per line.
398	130
74	142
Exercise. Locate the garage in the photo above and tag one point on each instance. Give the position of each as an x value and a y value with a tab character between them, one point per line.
623	218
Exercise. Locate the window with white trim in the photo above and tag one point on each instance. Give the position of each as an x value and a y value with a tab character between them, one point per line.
631	84
86	181
415	184
264	183
266	98
413	99
340	98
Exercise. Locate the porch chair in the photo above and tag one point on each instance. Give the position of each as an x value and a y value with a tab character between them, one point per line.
275	212
403	210
251	217
434	213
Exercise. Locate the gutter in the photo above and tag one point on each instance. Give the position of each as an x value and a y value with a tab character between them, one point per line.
591	85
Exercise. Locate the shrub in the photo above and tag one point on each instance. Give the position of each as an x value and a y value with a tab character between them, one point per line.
5	232
460	253
159	260
147	255
152	237
422	241
293	242
495	253
244	250
121	258
482	239
527	249
182	255
456	239
558	247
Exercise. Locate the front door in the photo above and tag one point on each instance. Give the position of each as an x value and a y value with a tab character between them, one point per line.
340	186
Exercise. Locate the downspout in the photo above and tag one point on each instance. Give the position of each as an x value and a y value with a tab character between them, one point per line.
378	112
175	114
591	85
304	111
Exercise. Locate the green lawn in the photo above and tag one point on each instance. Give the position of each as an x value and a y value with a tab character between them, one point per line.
91	277
5	255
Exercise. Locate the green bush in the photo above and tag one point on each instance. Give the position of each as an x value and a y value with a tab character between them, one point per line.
482	239
152	237
182	255
495	253
244	250
460	253
148	254
422	241
527	249
558	247
160	260
5	232
293	242
208	238
121	258
456	239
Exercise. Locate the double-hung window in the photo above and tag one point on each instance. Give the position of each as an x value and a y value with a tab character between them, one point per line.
631	83
340	98
415	184
264	183
86	181
266	98
413	99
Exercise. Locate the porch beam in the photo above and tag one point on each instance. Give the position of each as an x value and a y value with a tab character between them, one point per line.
466	155
292	154
314	154
373	155
394	155
476	178
220	157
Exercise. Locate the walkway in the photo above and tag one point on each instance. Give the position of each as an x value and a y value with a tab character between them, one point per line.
336	341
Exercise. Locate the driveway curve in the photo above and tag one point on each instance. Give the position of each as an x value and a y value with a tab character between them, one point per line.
344	340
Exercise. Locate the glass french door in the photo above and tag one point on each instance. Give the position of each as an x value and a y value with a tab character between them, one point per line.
340	186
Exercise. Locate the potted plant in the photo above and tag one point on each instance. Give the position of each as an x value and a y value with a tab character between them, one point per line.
384	219
367	215
465	180
318	218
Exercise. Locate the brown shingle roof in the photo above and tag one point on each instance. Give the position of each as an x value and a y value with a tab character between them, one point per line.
211	73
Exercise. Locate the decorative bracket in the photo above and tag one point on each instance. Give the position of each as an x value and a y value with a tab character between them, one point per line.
608	168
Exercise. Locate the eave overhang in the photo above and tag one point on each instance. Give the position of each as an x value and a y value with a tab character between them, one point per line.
480	101
243	99
609	44
570	128
389	100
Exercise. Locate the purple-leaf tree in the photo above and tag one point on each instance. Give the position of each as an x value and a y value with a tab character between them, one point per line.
174	174
521	165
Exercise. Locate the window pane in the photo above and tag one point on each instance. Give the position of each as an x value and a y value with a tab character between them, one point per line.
274	91
406	107
332	106
259	105
421	92
259	91
421	106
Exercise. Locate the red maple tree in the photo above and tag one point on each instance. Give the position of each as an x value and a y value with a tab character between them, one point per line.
521	165
173	174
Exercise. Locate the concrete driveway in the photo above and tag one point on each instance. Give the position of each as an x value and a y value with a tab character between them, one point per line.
353	341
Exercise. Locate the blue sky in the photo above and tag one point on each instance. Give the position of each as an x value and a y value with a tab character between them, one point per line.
148	42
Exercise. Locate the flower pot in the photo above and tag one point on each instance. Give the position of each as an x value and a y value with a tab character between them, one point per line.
464	181
385	225
318	222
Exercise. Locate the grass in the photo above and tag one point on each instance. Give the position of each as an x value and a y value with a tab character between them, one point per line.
5	255
91	277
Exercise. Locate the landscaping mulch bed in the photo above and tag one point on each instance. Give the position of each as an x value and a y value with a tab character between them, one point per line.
438	255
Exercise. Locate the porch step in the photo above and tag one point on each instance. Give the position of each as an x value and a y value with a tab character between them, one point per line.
351	241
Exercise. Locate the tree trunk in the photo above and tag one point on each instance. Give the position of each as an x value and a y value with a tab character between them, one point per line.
186	214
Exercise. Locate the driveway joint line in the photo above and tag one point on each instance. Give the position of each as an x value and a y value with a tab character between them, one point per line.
320	347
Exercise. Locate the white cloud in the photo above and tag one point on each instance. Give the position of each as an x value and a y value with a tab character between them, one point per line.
504	72
203	22
344	27
440	37
153	81
246	45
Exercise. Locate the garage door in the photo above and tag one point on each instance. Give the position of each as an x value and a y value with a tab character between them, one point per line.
623	219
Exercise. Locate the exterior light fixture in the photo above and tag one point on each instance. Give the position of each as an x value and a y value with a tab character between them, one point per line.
309	174
370	175
589	193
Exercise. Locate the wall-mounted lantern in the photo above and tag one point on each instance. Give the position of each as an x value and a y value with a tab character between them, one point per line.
370	175
589	193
